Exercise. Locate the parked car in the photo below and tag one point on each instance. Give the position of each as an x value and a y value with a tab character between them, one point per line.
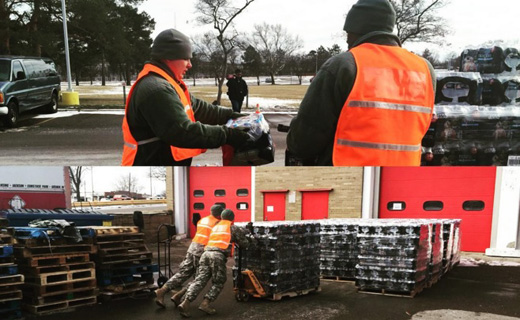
121	197
27	83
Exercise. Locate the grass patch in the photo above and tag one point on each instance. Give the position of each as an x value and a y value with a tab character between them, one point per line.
94	96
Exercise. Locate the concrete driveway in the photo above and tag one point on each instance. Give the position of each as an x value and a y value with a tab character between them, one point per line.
92	137
470	291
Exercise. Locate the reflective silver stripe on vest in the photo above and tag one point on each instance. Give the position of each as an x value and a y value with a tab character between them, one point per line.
380	146
390	106
130	145
140	143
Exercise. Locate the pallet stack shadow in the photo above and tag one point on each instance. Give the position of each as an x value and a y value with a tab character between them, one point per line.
58	272
10	280
402	256
339	249
285	258
123	262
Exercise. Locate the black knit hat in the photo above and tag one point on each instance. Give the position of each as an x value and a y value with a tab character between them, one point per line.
171	45
369	16
227	215
216	210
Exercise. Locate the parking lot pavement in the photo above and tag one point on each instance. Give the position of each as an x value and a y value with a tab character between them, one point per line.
469	291
93	138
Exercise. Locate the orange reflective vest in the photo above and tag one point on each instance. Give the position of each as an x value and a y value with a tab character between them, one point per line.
220	236
204	227
388	110
131	145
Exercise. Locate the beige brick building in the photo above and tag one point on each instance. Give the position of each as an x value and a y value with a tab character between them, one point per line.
344	199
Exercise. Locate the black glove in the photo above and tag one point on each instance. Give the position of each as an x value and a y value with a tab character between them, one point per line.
236	115
236	137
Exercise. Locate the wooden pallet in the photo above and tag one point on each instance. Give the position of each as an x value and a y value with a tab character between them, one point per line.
51	289
114	230
393	293
127	250
52	260
337	279
11	315
62	277
6	238
291	294
125	257
120	243
35	242
4	223
8	270
58	306
60	296
5	261
6	251
10	296
12	280
29	252
35	271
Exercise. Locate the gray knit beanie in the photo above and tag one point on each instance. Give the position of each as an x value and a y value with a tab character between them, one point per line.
227	215
171	45
216	210
370	15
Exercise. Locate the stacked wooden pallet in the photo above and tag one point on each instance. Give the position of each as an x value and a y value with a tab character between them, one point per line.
123	262
10	280
58	272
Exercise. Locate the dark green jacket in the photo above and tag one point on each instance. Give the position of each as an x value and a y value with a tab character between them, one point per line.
312	131
155	110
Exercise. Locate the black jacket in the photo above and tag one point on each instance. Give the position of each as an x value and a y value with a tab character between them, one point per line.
237	89
312	131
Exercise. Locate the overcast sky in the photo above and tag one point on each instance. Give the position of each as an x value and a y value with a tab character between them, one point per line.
473	22
106	178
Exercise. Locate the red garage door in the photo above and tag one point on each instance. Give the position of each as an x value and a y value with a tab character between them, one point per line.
465	193
274	204
230	187
315	204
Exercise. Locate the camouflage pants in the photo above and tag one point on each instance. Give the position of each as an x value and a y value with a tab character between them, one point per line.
212	266
187	268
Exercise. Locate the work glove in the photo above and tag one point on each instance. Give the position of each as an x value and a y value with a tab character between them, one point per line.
235	137
236	115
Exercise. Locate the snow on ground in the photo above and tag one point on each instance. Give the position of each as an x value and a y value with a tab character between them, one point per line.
472	262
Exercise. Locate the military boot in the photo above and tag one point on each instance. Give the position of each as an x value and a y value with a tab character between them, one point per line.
204	306
184	308
177	297
159	296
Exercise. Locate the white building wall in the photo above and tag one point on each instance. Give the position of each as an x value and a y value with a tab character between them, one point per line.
505	232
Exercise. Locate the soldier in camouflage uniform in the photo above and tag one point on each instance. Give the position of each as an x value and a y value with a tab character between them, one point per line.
190	264
213	263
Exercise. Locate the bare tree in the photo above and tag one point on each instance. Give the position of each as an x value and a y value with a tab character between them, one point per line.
128	183
275	46
158	173
76	176
418	20
208	49
221	13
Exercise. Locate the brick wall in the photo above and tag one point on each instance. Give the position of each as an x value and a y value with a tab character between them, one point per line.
344	200
151	223
169	188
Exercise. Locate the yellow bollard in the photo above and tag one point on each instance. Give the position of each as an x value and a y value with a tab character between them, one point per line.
69	98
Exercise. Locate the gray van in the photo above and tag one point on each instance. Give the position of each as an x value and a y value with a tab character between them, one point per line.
27	83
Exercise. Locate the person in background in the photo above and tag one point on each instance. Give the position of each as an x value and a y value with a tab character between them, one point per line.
190	264
164	125
213	263
237	90
370	106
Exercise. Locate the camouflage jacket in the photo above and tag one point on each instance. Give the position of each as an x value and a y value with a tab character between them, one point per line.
238	235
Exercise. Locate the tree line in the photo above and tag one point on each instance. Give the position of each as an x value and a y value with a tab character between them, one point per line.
112	39
106	37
